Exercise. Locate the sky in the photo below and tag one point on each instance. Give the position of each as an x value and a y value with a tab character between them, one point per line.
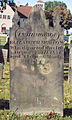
32	2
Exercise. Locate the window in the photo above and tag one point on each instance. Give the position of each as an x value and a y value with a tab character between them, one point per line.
3	26
4	16
41	5
8	17
3	29
0	16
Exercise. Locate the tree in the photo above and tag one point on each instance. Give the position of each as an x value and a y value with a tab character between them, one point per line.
51	5
65	16
26	4
63	12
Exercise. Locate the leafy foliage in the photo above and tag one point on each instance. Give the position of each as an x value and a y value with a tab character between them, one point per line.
26	4
50	6
65	14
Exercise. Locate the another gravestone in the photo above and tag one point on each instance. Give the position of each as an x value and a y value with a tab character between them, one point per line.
6	47
70	64
1	64
1	70
5	55
36	64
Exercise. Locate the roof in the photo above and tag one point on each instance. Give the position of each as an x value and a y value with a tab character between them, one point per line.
24	10
40	1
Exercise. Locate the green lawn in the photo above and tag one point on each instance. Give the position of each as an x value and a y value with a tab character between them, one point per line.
6	71
2	43
2	40
2	37
4	95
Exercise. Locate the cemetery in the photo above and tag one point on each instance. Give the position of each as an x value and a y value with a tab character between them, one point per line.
35	69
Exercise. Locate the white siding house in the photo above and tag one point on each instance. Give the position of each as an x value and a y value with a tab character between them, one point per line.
6	18
41	4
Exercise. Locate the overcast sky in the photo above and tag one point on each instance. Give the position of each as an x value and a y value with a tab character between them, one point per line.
32	2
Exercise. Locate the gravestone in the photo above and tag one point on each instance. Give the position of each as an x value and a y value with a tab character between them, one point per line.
36	64
5	55
70	64
1	64
5	51
6	47
1	70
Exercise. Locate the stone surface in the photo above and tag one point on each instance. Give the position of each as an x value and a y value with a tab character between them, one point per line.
70	64
1	64
5	54
1	70
6	46
1	57
36	64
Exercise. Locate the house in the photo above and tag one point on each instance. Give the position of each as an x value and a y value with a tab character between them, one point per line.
6	17
41	4
7	13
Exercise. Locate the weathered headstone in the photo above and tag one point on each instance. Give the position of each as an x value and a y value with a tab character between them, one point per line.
70	64
6	47
36	64
1	64
5	55
1	70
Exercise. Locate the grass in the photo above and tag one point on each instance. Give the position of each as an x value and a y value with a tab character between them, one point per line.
65	71
6	115
67	95
2	40
2	43
2	37
4	89
4	95
4	83
6	71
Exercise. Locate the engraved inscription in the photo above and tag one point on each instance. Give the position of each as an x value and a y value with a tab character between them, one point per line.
51	48
20	34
